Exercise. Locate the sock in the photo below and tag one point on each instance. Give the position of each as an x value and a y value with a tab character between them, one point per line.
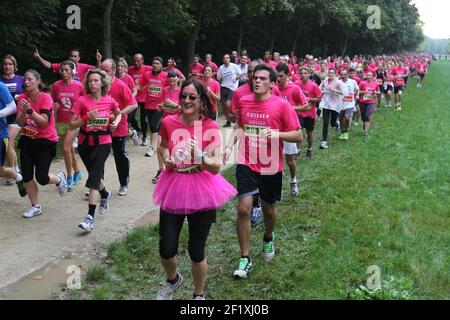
92	208
266	239
19	177
174	280
17	169
103	193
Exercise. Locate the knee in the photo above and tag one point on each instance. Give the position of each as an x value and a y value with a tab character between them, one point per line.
196	256
167	252
243	211
42	179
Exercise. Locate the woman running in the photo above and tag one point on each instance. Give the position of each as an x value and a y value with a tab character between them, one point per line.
15	84
191	187
64	93
97	115
212	87
368	91
38	141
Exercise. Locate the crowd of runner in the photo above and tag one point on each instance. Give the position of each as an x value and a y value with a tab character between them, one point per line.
267	101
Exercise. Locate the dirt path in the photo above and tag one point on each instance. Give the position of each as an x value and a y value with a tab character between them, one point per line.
28	244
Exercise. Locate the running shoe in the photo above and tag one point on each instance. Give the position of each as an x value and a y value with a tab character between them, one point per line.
70	183
269	249
144	142
150	152
135	137
244	268
88	223
199	298
33	211
168	289
9	182
103	208
309	153
294	189
341	136
62	186
20	185
346	136
75	143
156	178
256	215
77	176
324	145
123	191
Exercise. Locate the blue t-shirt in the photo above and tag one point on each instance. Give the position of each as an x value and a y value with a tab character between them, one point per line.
14	85
5	99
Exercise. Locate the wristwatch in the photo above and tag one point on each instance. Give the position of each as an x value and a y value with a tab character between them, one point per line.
30	111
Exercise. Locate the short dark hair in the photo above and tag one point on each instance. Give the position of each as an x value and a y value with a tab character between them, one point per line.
263	67
282	67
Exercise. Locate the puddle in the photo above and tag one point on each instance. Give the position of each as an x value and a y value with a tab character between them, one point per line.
43	283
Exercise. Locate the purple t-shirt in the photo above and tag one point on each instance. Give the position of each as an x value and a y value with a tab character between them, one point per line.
15	86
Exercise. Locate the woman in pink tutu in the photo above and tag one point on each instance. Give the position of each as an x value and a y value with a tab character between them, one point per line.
191	186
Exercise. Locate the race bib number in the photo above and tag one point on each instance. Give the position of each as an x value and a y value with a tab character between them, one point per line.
253	131
154	90
348	99
97	124
368	96
170	108
29	132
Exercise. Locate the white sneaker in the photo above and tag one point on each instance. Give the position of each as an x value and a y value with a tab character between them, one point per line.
324	145
166	292
294	188
103	208
10	182
150	152
144	142
123	190
199	298
33	211
88	223
62	187
135	137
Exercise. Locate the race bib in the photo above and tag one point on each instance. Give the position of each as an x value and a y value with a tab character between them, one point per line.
98	124
154	90
380	81
368	96
348	99
189	170
169	108
29	132
253	131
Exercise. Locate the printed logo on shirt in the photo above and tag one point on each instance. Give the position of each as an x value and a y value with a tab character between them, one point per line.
29	132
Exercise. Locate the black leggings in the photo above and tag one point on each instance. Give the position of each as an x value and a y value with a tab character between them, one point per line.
119	146
132	117
36	156
154	119
169	232
327	115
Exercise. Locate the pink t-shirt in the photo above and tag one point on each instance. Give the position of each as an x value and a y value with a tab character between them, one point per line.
215	88
120	92
128	80
82	68
196	69
240	92
173	95
65	94
274	113
270	63
293	94
137	74
44	103
310	90
399	75
212	65
176	133
105	108
154	85
371	88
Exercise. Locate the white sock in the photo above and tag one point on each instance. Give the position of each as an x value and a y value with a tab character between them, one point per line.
19	177
294	180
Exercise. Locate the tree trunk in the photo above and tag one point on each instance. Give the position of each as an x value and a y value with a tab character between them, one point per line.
297	36
273	32
240	35
193	37
344	46
107	43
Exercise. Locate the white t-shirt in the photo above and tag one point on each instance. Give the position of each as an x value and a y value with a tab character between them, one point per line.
331	100
228	76
349	95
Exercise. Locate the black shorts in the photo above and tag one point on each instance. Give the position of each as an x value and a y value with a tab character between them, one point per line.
94	158
250	183
385	89
421	76
397	89
11	119
307	123
3	147
226	94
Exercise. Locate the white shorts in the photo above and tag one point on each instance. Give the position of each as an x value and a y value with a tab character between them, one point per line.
290	148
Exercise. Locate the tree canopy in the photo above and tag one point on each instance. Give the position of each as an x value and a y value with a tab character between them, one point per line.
180	28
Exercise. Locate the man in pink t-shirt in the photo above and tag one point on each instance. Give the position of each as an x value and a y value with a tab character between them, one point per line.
294	95
264	123
308	118
74	56
120	92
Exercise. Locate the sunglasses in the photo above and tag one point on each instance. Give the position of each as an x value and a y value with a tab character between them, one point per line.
191	97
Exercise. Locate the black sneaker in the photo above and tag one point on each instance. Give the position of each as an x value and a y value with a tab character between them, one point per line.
227	125
156	178
309	153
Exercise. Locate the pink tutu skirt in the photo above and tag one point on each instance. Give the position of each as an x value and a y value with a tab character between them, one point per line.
181	193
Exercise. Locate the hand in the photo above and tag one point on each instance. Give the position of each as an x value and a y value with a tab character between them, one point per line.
169	162
113	126
227	154
57	106
170	102
25	105
92	114
269	134
98	55
36	54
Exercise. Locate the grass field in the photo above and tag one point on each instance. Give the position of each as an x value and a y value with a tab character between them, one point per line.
380	201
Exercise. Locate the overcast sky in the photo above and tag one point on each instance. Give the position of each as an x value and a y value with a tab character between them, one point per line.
435	15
